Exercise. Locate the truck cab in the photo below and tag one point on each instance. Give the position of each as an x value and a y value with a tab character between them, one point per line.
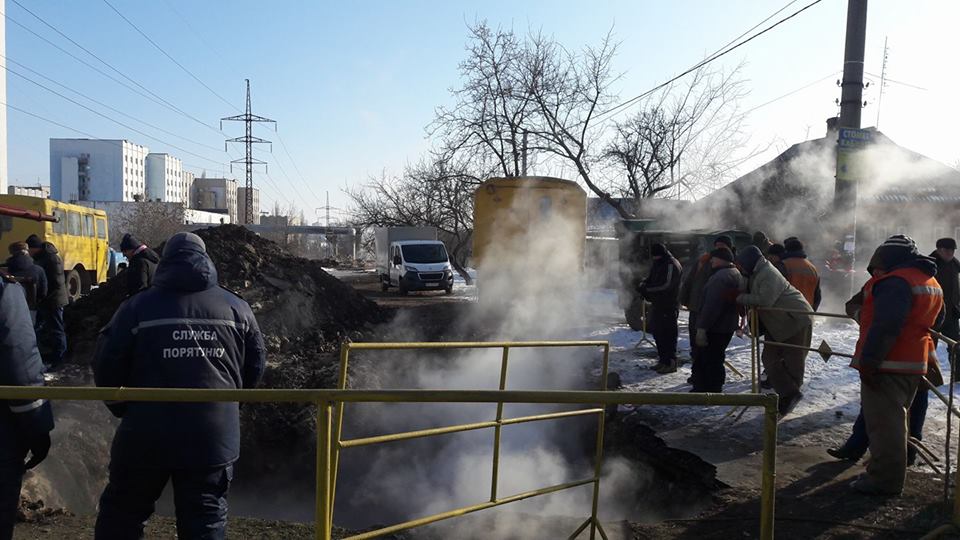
418	265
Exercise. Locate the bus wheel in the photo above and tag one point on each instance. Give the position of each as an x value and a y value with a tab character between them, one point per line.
74	285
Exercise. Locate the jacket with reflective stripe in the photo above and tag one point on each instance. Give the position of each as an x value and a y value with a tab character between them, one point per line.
802	274
913	345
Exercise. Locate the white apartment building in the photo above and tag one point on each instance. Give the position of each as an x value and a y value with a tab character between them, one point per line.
165	180
97	170
242	206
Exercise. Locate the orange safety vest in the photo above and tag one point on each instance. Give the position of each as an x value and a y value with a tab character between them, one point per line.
911	351
802	274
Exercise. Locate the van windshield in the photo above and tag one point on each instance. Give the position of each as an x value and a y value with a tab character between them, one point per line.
424	253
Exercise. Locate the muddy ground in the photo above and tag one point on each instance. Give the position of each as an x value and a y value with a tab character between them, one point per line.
813	495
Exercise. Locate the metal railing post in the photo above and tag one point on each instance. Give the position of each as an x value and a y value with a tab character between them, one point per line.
768	486
598	459
754	352
495	474
337	434
324	490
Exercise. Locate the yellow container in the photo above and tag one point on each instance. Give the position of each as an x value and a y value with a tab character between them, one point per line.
80	236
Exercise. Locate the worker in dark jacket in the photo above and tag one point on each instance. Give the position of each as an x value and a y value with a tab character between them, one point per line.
25	424
775	256
661	289
142	263
717	321
948	275
800	272
51	335
183	332
29	275
691	290
901	303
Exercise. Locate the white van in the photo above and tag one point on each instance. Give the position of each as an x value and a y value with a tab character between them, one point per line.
412	259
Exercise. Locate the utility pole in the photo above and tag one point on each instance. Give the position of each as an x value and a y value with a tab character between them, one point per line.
249	140
851	96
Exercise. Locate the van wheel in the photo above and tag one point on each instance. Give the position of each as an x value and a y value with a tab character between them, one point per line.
402	290
74	285
384	286
449	290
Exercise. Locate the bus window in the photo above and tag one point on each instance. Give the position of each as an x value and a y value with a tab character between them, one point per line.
59	226
73	224
6	223
88	225
101	228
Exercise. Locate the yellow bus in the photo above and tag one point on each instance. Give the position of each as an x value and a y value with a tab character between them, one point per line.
80	235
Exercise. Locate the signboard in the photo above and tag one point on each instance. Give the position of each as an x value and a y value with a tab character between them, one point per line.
850	166
854	138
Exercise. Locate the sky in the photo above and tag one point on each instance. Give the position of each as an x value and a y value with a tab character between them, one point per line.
353	85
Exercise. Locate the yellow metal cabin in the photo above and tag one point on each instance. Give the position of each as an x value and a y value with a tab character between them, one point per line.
80	235
529	224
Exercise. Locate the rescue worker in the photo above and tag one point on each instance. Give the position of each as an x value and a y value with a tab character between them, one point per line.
691	290
767	288
857	444
142	263
762	242
901	302
716	322
183	332
948	276
50	332
800	272
662	288
25	424
775	256
29	275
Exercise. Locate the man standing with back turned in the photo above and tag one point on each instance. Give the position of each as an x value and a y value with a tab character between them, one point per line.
662	289
184	332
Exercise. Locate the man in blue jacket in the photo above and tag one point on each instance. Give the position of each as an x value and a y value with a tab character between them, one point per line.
25	425
183	332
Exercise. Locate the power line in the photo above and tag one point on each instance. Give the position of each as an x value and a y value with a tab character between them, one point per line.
704	62
165	53
792	92
199	35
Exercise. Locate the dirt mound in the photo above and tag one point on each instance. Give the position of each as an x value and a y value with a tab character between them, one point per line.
290	296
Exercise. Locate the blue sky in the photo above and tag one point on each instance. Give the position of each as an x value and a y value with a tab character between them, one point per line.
353	84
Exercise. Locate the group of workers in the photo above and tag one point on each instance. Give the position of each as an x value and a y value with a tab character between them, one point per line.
906	297
179	329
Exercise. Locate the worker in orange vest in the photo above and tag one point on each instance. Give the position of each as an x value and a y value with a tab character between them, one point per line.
901	302
800	272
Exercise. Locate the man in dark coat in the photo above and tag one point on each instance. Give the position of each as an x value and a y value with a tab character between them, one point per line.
183	332
948	275
691	290
25	424
717	321
661	289
29	275
142	264
52	337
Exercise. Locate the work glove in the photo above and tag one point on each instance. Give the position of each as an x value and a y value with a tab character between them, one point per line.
868	373
701	340
39	448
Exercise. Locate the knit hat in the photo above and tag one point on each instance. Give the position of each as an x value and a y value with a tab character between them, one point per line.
895	251
658	250
793	244
748	258
723	254
946	243
129	242
184	241
724	239
17	247
33	242
777	249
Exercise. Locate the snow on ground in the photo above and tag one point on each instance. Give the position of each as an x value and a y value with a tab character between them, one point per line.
823	418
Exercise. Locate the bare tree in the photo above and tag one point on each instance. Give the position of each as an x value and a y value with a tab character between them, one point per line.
151	222
436	192
689	138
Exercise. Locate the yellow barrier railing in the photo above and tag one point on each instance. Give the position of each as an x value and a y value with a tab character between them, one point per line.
325	400
497	425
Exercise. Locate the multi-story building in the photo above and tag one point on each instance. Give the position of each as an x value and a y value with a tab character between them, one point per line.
165	181
242	206
216	195
97	170
188	185
42	192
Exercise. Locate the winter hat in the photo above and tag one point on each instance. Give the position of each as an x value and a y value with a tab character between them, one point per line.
184	241
658	250
17	247
748	258
129	242
777	249
33	242
896	250
793	244
946	243
723	254
760	240
724	239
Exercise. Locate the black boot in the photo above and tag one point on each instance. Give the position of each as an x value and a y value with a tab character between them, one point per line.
845	454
